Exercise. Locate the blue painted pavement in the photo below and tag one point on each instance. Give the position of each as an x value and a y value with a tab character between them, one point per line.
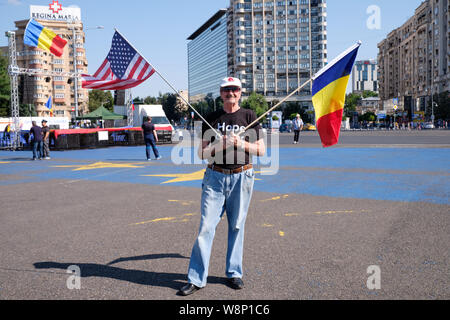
403	174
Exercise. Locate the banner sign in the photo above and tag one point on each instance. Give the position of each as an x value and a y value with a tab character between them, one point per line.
55	12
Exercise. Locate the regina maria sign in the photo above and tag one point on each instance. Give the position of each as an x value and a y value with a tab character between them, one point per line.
55	12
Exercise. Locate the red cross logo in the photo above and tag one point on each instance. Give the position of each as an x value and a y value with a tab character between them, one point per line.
55	6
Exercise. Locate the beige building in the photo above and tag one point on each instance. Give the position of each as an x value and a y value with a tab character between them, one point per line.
371	104
414	59
275	46
37	89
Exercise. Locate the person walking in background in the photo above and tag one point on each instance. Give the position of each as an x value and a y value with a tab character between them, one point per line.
151	138
298	126
45	140
36	141
7	134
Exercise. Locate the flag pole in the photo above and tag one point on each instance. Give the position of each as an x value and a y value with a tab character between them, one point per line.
171	86
276	106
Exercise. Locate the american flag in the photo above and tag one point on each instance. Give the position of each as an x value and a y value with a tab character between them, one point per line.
122	69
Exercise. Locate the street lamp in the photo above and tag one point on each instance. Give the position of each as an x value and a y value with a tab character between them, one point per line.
433	104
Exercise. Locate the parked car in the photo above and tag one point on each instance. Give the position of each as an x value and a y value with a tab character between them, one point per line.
309	127
286	128
428	125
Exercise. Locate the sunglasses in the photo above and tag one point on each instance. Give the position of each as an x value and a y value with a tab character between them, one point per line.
230	89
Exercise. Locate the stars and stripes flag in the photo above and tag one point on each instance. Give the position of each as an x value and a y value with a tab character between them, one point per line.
123	68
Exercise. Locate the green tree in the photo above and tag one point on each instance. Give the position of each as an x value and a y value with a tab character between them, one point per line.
5	88
27	110
368	116
98	98
168	102
138	100
202	107
257	103
291	109
150	100
369	94
351	101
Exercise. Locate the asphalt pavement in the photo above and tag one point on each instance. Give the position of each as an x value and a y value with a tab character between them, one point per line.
368	219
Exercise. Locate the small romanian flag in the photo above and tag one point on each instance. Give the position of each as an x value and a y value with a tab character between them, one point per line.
328	95
37	35
49	106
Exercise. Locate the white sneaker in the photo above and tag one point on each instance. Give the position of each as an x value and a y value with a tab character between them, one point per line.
47	158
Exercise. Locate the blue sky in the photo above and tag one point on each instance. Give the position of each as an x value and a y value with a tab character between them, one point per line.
159	29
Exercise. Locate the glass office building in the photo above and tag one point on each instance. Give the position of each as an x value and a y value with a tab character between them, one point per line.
277	45
207	58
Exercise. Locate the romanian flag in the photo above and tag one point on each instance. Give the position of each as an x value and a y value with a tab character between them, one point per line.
328	95
37	35
49	106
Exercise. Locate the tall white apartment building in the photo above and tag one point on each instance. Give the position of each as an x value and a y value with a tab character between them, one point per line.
275	46
365	76
414	59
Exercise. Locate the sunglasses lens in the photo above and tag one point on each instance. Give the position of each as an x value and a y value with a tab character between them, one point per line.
230	89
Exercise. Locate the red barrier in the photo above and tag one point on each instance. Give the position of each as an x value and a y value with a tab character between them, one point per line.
81	131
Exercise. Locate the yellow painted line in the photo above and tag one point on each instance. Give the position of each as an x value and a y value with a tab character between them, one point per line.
328	212
181	177
282	234
153	221
276	198
292	214
183	202
101	165
265	225
169	219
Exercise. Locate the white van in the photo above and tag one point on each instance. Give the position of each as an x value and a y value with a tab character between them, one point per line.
162	124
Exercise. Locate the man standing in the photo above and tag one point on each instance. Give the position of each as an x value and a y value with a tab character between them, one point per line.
227	186
36	141
46	140
150	137
298	126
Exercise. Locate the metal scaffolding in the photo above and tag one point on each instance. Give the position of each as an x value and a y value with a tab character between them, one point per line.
129	104
14	71
15	142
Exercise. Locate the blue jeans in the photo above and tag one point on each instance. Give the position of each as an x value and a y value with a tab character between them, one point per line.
150	144
221	192
37	149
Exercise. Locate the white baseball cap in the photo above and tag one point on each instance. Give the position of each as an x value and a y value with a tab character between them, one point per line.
231	82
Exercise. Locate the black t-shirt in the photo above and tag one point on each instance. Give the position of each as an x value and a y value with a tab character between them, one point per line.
37	133
44	131
148	128
227	123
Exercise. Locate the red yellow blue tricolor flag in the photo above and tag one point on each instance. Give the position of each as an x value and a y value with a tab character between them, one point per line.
328	95
36	35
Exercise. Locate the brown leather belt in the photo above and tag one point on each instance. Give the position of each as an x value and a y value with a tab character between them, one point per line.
231	171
